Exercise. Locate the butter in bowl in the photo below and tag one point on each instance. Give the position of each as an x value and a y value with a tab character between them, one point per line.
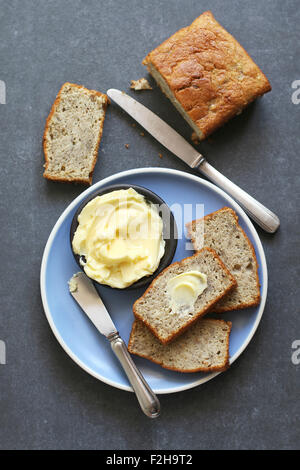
122	236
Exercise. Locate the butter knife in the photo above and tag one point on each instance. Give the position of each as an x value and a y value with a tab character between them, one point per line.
86	295
174	142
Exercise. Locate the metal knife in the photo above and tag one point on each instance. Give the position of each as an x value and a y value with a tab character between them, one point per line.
174	142
86	295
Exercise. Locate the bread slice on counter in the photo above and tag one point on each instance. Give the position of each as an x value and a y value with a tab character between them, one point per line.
203	347
223	233
153	308
72	134
206	74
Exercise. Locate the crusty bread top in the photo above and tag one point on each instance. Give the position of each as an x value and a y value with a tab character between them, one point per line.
223	233
154	307
203	347
72	134
211	75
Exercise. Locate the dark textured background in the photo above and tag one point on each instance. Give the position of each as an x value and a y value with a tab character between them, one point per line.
46	400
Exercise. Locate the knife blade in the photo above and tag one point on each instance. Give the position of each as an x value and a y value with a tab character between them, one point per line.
91	303
84	292
174	142
162	132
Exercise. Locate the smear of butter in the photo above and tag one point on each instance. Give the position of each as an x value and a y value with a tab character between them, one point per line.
120	236
73	283
184	290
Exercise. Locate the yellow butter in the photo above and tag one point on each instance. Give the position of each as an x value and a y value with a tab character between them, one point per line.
120	236
184	289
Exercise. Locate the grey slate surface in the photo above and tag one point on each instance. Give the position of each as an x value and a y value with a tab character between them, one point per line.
46	400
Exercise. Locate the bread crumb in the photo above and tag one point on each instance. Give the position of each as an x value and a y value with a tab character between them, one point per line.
127	146
195	139
140	84
142	134
160	155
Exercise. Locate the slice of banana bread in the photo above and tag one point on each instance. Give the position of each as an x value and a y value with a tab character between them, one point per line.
223	233
73	133
203	347
154	307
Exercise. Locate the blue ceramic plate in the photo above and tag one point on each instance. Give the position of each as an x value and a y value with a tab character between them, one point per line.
85	345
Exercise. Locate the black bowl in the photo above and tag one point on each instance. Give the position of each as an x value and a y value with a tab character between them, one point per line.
169	229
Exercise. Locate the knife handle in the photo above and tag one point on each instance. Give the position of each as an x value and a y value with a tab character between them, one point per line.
266	219
146	397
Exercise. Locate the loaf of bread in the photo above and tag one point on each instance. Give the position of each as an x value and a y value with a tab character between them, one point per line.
72	134
203	347
154	307
206	74
223	233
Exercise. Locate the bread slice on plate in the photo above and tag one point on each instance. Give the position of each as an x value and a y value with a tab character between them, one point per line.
72	134
203	347
223	233
154	307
